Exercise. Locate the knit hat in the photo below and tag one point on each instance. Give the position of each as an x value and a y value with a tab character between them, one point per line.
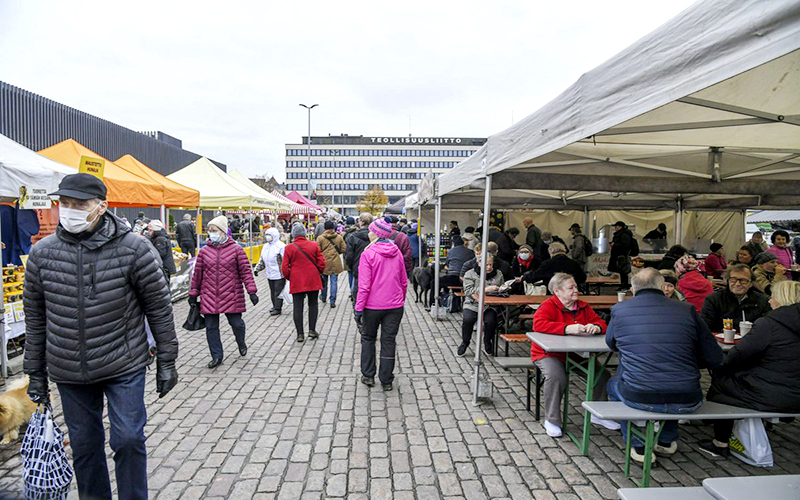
764	257
669	277
577	226
714	247
685	264
526	247
329	224
155	225
298	230
350	221
457	241
620	223
381	228
469	229
221	222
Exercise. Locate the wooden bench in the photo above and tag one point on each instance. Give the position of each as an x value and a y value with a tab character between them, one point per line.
514	338
617	410
532	373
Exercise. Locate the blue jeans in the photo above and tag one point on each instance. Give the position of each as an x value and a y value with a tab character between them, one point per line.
669	433
350	279
334	279
83	413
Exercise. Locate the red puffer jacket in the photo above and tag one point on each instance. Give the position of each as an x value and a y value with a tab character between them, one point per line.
695	287
552	318
219	272
301	271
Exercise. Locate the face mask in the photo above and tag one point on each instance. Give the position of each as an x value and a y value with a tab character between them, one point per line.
75	221
268	238
524	256
215	237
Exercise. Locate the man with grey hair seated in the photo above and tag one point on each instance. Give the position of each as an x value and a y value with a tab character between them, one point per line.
558	262
662	346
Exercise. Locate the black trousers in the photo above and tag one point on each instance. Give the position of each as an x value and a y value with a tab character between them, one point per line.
444	282
389	322
275	288
212	332
313	310
187	247
489	327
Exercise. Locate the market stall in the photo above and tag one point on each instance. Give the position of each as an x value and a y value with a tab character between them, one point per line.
295	208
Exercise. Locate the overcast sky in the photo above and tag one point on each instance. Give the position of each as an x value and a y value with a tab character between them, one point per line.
227	77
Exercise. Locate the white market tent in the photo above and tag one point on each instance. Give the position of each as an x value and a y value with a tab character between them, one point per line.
20	166
280	205
701	114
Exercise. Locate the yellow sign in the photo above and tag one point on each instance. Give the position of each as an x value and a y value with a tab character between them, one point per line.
92	166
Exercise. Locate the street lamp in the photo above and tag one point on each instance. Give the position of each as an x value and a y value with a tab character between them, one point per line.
309	108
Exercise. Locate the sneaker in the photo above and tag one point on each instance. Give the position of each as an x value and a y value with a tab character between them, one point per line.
387	387
333	305
637	455
713	450
462	350
368	381
666	449
300	337
552	429
322	298
488	351
313	335
608	424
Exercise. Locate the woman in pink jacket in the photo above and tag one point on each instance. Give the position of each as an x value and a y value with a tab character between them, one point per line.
219	273
780	249
382	283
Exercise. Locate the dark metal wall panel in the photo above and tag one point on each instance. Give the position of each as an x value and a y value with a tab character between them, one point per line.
38	123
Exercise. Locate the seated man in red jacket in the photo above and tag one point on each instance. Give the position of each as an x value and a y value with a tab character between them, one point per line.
564	314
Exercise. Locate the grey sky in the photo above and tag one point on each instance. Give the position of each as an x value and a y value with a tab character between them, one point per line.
227	77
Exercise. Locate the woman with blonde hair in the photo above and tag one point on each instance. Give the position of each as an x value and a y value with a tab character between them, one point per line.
761	372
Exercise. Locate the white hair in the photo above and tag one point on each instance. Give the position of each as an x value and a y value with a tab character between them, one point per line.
647	279
558	281
556	247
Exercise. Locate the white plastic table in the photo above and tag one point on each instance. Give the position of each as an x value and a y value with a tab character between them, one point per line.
783	487
694	493
587	346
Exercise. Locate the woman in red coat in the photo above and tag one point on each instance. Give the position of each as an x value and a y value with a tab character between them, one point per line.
564	314
220	271
691	283
302	266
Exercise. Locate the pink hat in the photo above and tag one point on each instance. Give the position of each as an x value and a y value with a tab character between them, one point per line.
381	228
685	264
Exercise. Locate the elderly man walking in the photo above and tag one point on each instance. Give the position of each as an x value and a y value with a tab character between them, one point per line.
88	289
187	237
662	346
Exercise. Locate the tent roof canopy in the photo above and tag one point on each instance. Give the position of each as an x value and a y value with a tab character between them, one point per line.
20	166
302	200
295	208
175	195
217	188
124	188
704	118
279	204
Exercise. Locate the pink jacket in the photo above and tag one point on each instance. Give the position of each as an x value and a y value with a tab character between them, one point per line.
218	276
785	257
382	279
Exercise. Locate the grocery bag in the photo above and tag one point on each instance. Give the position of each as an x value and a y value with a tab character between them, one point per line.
194	321
285	295
750	443
46	471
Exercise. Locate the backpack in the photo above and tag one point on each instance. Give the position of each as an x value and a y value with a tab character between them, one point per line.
588	249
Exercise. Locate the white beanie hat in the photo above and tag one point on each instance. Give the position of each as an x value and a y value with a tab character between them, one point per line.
155	225
220	222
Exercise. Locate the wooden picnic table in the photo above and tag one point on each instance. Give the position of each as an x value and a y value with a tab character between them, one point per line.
587	346
597	282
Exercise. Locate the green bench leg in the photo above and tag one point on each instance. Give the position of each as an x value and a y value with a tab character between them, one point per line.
649	436
590	382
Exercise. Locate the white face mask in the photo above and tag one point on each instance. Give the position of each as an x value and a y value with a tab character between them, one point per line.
75	221
525	256
268	238
215	237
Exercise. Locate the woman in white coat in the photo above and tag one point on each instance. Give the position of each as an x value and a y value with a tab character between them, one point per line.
271	257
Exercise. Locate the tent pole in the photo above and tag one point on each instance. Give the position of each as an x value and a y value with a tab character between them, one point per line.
679	227
163	215
198	229
419	233
437	252
487	204
250	232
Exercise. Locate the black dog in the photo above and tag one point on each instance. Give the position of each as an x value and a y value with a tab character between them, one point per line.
422	279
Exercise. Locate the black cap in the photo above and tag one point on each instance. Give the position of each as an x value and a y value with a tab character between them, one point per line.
575	226
714	247
329	224
620	224
81	187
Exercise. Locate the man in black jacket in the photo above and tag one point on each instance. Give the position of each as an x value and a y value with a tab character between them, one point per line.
356	244
533	236
88	289
160	240
662	346
619	259
738	298
187	237
558	262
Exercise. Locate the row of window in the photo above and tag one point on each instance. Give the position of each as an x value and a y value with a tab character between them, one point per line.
329	188
463	153
375	164
356	175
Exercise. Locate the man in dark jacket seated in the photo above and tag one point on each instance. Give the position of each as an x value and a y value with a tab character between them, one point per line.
761	372
662	346
739	298
558	262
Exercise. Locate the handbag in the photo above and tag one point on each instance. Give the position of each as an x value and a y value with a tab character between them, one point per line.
285	295
46	471
750	443
194	320
321	279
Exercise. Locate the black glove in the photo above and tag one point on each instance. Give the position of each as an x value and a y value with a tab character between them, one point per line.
254	298
192	300
38	389
166	377
255	273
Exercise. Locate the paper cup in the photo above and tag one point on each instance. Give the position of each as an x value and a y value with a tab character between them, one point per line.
745	327
729	335
620	296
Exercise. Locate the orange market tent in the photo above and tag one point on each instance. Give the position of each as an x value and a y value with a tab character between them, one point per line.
175	195
124	188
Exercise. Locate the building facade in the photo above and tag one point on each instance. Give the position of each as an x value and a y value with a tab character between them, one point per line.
344	167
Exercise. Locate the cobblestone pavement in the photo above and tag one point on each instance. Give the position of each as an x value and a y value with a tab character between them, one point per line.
293	421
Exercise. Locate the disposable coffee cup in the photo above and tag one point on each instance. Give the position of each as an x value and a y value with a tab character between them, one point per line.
620	296
729	335
745	327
